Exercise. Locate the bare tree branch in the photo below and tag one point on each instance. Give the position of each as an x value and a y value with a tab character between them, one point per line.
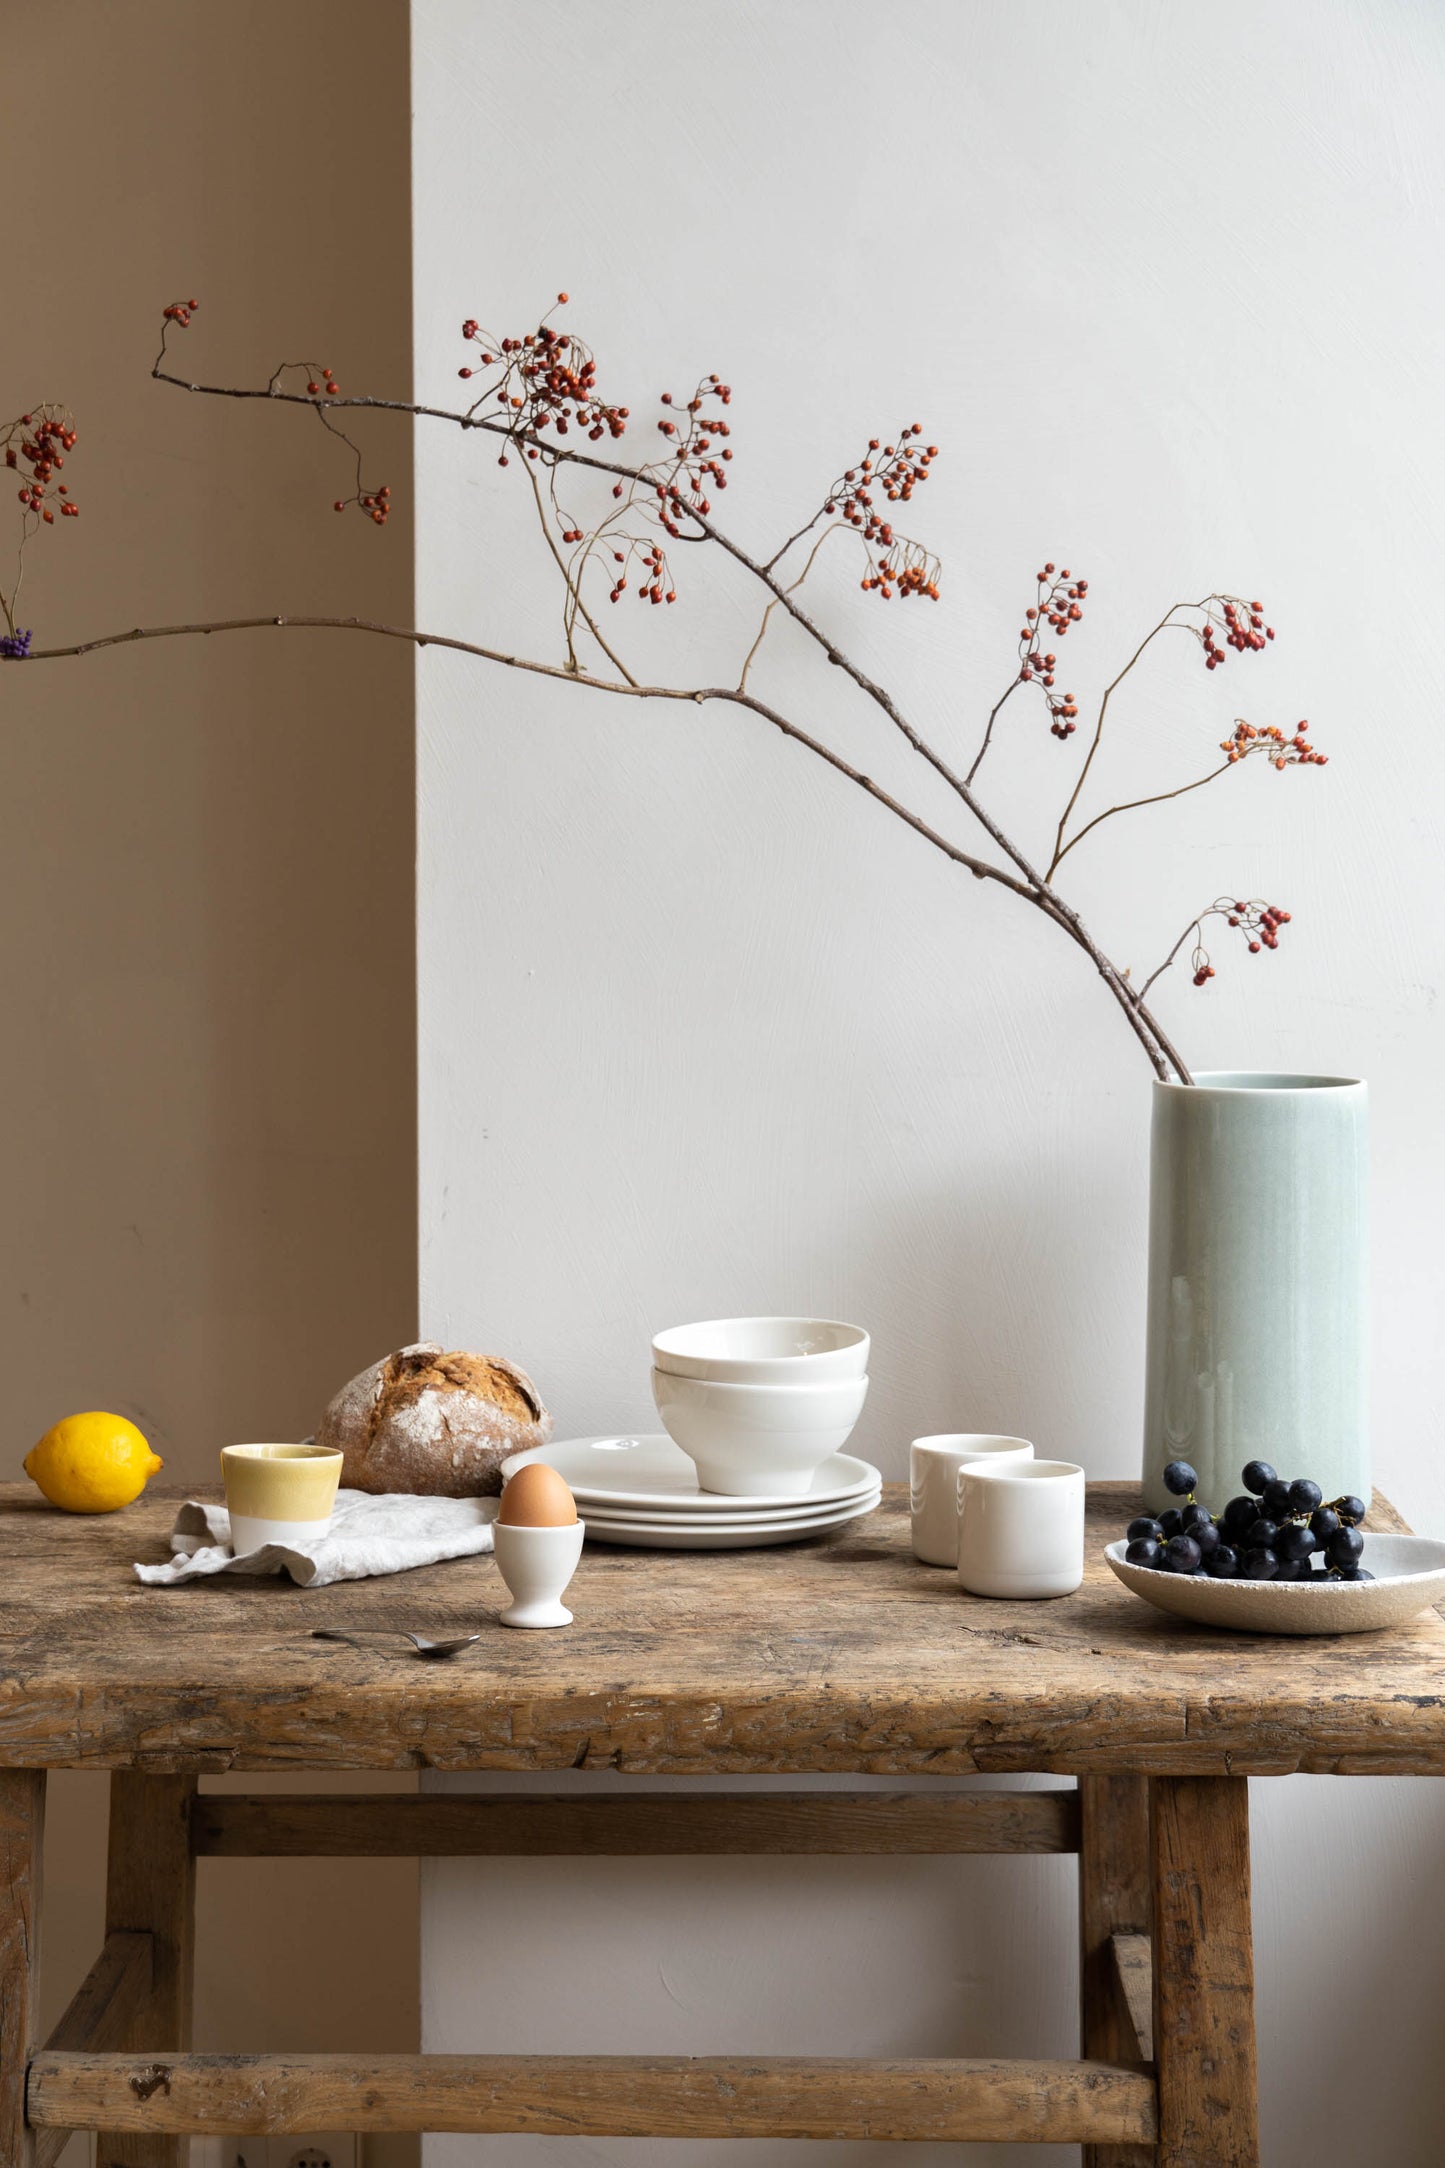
1140	1021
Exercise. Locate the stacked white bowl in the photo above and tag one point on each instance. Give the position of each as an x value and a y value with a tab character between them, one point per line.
759	1403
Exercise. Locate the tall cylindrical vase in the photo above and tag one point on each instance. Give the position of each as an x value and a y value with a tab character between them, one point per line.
1257	1282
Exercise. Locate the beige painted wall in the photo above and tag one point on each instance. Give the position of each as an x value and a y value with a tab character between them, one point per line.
206	1072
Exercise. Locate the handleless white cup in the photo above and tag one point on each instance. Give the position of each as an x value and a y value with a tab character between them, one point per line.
279	1494
1021	1528
933	1465
537	1564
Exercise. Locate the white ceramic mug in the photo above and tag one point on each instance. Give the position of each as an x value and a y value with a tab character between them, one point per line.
933	1465
1021	1528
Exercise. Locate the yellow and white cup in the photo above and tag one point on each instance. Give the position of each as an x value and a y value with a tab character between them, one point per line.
279	1494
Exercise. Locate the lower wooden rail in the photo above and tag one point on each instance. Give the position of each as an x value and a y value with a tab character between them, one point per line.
381	1826
628	2096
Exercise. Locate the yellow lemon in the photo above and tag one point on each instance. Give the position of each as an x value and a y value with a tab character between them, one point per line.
92	1463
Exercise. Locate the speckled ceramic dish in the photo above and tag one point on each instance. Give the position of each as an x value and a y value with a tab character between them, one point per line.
1409	1576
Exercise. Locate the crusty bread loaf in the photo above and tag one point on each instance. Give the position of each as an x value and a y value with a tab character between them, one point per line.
432	1422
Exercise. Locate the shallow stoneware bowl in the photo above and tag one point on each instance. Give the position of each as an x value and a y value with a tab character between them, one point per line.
1409	1576
764	1350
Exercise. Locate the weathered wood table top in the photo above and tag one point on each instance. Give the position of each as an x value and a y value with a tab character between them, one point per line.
837	1655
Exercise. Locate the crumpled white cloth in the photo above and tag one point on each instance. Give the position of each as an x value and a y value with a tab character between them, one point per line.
367	1535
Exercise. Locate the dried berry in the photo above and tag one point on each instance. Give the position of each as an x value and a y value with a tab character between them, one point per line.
1058	603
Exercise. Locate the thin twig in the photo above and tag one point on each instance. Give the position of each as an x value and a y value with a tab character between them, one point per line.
574	590
988	733
1109	690
1195	927
1130	805
781	552
762	629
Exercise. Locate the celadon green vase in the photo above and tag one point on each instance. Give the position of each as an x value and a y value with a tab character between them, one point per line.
1257	1282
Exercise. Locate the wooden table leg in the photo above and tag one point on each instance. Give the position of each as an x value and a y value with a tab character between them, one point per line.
22	1831
1204	1974
151	1889
1113	1901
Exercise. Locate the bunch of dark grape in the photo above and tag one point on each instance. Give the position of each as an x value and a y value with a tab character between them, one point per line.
1272	1532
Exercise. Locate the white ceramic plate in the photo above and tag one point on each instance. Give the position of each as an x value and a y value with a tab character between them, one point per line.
600	1516
702	1534
1409	1576
651	1472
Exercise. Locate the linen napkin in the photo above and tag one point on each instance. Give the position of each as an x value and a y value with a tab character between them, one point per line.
367	1535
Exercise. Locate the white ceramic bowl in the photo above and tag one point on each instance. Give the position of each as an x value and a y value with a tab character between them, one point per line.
757	1440
1409	1576
764	1350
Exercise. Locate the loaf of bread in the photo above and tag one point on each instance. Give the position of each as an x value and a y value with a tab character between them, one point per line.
427	1421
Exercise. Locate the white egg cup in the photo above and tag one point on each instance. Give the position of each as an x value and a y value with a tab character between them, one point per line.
1021	1528
537	1564
933	1465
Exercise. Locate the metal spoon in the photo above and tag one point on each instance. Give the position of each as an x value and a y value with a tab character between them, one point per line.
419	1642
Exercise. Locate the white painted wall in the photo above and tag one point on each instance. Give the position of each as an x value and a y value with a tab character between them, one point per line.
703	1031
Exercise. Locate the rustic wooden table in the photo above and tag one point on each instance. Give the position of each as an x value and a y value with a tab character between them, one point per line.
841	1655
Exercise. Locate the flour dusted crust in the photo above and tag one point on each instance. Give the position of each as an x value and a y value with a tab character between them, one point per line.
436	1423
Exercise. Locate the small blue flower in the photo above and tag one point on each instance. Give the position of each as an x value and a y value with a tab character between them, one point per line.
15	646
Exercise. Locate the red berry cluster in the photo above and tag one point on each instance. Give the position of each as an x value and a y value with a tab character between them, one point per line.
907	567
1259	922
678	485
1242	624
548	381
321	385
696	463
38	442
894	471
1059	603
656	580
1281	751
376	505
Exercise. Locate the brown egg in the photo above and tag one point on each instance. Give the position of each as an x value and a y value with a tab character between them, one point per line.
536	1497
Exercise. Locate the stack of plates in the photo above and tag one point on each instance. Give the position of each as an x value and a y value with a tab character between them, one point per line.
643	1491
